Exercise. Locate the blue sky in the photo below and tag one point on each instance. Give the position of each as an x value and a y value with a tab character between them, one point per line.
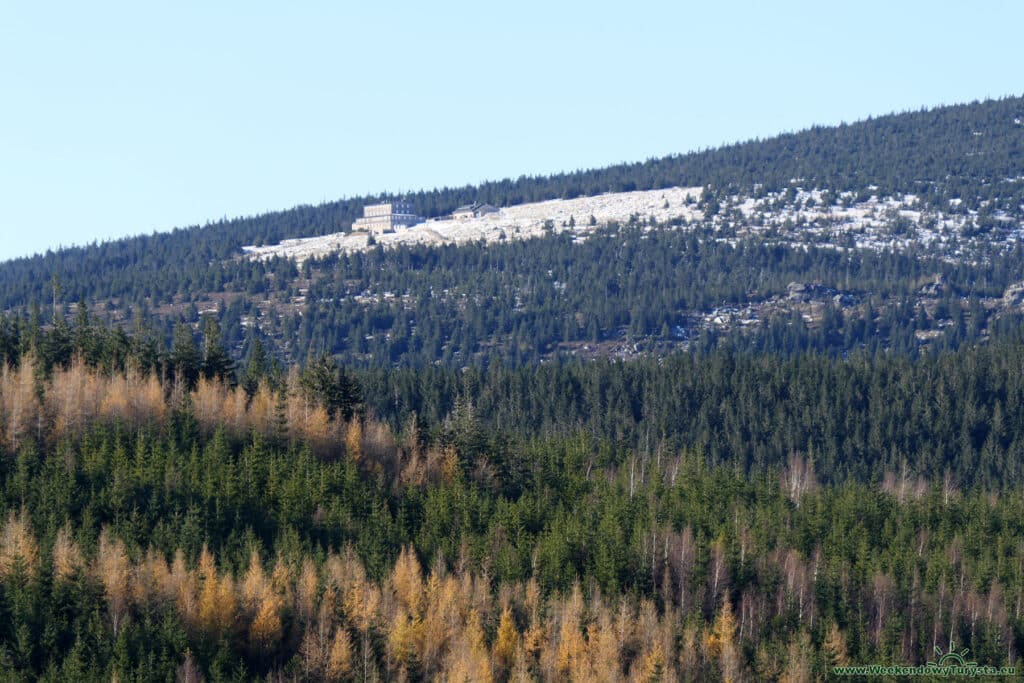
127	118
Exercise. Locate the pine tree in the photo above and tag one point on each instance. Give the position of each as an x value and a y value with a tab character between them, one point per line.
256	367
216	363
185	360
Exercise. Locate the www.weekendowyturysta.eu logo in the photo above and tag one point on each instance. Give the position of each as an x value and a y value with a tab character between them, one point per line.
950	664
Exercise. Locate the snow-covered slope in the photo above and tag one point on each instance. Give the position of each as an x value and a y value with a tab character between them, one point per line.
796	217
514	222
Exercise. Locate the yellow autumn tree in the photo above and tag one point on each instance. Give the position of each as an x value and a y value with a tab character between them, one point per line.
506	642
571	646
72	397
217	603
689	653
183	583
603	650
354	441
652	665
362	605
135	397
721	643
306	592
468	660
379	445
117	399
152	579
115	571
265	629
262	410
533	637
407	581
317	430
18	401
339	660
767	663
19	552
254	584
67	556
441	620
208	402
235	414
281	580
148	400
405	635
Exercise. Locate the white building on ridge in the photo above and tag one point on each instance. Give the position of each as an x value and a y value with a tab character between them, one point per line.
380	218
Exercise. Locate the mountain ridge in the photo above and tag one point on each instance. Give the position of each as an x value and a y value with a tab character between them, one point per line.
642	169
944	185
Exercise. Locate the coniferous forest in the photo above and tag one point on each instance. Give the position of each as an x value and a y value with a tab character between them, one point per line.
447	464
171	516
523	299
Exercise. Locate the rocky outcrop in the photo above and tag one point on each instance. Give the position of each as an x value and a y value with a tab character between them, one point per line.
1014	294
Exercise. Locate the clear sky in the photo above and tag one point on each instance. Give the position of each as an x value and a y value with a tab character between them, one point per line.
134	117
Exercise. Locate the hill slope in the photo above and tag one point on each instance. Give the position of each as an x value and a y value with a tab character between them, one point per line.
945	184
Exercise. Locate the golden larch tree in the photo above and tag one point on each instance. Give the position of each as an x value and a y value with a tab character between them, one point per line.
339	660
18	401
114	570
19	552
468	660
67	556
506	642
721	643
354	441
306	592
217	604
571	646
407	581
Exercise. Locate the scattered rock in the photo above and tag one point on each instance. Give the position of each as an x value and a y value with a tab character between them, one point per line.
1014	294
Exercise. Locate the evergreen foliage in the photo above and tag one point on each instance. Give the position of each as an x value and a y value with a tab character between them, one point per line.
152	535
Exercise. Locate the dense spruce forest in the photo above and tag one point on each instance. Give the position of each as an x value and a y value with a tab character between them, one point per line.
624	291
170	516
659	452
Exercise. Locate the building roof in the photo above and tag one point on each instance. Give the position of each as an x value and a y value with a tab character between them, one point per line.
474	207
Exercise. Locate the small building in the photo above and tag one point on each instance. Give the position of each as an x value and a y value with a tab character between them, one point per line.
381	218
474	210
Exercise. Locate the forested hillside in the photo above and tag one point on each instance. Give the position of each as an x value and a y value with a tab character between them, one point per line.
406	306
743	445
188	529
